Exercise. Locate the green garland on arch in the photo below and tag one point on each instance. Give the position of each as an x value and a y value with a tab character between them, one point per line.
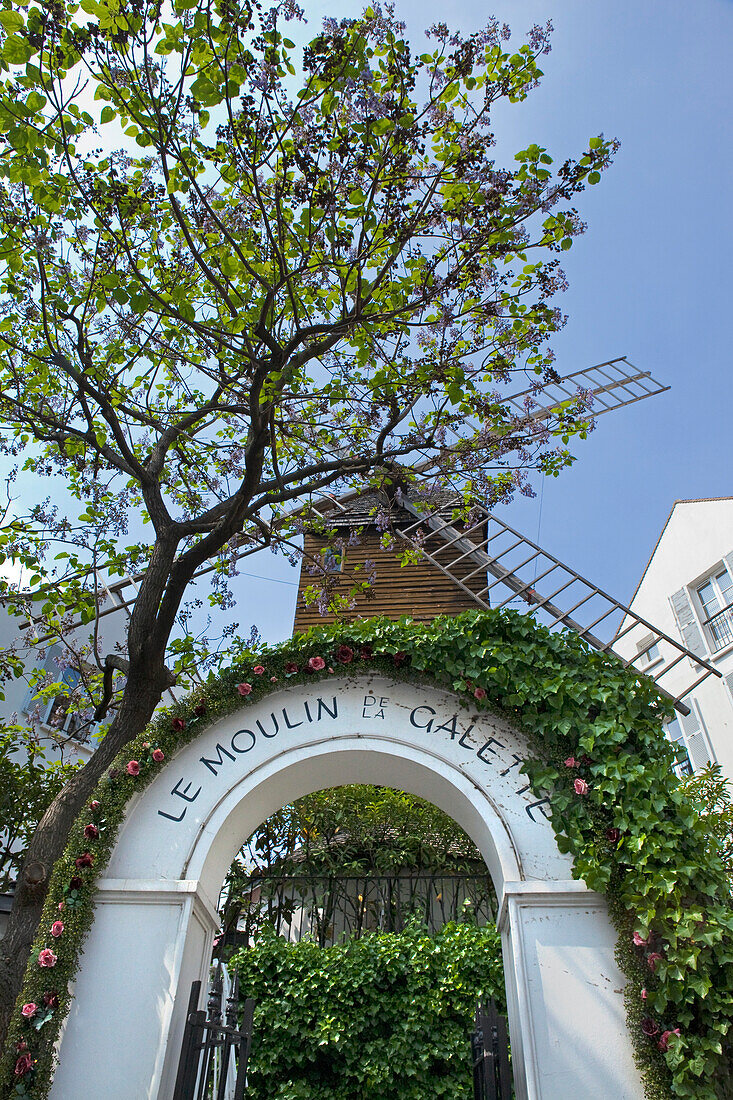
602	760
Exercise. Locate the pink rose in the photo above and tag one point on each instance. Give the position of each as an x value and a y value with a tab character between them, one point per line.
644	994
330	669
94	805
51	999
344	655
479	693
178	724
649	1027
580	786
653	959
86	859
273	679
47	958
57	928
291	668
133	767
639	941
258	670
158	755
244	689
29	1010
571	762
91	832
23	1065
663	1043
315	664
62	906
146	744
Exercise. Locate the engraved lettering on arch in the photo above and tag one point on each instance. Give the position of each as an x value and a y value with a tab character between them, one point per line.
186	798
244	745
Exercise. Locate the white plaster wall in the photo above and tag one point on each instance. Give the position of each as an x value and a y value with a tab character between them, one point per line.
156	916
698	535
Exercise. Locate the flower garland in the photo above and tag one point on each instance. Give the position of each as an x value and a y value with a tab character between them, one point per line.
600	758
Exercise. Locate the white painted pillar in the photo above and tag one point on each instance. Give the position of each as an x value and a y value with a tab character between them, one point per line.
148	943
565	995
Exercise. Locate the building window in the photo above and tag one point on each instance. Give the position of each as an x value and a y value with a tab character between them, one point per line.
716	602
648	651
674	732
53	714
687	734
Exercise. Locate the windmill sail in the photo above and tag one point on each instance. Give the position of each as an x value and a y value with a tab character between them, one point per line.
522	575
607	386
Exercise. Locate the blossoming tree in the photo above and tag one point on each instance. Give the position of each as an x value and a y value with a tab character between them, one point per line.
289	277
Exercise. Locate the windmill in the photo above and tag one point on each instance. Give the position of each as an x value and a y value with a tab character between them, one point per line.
521	574
518	572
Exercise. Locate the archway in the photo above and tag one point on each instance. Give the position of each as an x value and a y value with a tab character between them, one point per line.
156	915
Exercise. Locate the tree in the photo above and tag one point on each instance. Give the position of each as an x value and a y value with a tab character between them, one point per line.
28	783
285	281
710	793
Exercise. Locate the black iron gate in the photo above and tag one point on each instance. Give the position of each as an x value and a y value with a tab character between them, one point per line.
210	1040
492	1077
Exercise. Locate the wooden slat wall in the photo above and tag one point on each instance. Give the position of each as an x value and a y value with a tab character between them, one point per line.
420	591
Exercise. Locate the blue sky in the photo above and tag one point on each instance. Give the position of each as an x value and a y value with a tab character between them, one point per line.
650	279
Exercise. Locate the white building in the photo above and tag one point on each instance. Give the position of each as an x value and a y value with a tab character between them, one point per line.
686	591
50	699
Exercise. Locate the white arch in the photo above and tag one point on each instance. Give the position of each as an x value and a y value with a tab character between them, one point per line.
156	914
334	762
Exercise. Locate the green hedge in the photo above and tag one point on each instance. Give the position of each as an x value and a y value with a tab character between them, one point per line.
387	1015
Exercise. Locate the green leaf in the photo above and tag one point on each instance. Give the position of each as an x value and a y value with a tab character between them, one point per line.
11	21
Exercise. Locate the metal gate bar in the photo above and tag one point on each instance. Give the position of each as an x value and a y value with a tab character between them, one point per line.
205	1035
492	1078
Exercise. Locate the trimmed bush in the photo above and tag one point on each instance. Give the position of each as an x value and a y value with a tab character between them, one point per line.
386	1015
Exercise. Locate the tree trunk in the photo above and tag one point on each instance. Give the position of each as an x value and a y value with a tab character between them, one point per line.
142	694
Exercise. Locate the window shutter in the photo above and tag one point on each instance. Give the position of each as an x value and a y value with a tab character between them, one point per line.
697	748
687	623
728	559
28	704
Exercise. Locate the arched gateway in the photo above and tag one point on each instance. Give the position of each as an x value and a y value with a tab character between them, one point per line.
156	916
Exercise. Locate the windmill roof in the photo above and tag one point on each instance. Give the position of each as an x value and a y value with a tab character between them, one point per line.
360	508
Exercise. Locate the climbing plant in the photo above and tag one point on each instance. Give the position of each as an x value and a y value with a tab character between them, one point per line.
599	756
385	1015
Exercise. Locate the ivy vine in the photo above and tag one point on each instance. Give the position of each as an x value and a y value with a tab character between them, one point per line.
600	757
385	1015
